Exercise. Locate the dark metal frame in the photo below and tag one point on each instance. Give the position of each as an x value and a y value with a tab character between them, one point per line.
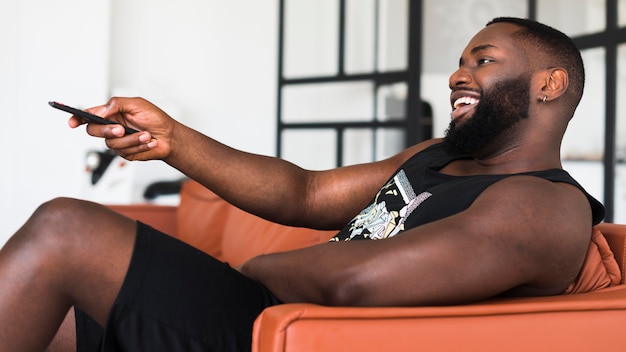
410	76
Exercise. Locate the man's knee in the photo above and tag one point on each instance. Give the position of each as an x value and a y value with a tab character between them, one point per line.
56	212
58	227
54	222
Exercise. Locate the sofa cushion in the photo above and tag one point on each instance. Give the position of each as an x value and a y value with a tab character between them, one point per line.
615	235
599	270
201	218
230	234
246	236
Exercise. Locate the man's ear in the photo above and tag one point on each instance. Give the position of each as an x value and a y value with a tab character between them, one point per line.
554	83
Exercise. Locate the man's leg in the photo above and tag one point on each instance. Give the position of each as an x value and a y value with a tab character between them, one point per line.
68	253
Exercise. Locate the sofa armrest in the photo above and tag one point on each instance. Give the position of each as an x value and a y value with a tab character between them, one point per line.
161	217
556	323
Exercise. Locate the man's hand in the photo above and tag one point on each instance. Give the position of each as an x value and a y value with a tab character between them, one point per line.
154	141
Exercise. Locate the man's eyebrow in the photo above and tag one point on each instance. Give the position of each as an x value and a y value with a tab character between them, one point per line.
478	49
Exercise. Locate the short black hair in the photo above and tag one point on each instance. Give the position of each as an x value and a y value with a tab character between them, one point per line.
558	47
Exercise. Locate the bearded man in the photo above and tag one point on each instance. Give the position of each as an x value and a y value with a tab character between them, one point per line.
486	211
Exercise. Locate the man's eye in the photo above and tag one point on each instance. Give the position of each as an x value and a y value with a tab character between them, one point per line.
484	61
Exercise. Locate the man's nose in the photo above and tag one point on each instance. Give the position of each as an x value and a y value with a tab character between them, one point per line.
459	77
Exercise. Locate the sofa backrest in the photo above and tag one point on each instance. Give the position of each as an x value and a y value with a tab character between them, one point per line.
209	223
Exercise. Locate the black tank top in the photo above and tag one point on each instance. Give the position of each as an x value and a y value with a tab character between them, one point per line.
418	194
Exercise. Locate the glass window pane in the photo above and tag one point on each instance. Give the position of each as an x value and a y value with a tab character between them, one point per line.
348	101
358	146
312	149
393	35
435	91
311	37
619	215
584	139
389	142
583	144
360	37
621	17
620	172
392	101
573	17
445	35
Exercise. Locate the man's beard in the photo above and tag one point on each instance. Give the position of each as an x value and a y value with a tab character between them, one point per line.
499	109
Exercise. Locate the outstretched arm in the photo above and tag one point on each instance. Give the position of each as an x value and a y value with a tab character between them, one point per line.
523	235
269	187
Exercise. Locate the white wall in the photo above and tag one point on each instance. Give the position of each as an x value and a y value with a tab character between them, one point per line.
211	63
50	51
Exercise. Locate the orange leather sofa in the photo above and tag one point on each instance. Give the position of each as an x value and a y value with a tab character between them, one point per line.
577	322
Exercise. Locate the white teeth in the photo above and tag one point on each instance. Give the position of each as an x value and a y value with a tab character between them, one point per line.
465	101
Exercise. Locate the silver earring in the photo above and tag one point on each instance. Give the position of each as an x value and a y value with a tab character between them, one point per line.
544	98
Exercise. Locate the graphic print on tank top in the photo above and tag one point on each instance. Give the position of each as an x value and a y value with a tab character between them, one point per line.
386	216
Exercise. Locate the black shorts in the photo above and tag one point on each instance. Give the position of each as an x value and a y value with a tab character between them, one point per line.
177	298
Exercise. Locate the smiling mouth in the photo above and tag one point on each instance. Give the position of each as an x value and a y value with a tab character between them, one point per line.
463	105
464	101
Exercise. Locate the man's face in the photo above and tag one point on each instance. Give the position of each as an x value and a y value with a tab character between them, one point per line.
500	108
490	90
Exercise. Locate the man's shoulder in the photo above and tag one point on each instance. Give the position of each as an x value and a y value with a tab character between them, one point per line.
418	150
532	185
530	197
550	187
420	147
